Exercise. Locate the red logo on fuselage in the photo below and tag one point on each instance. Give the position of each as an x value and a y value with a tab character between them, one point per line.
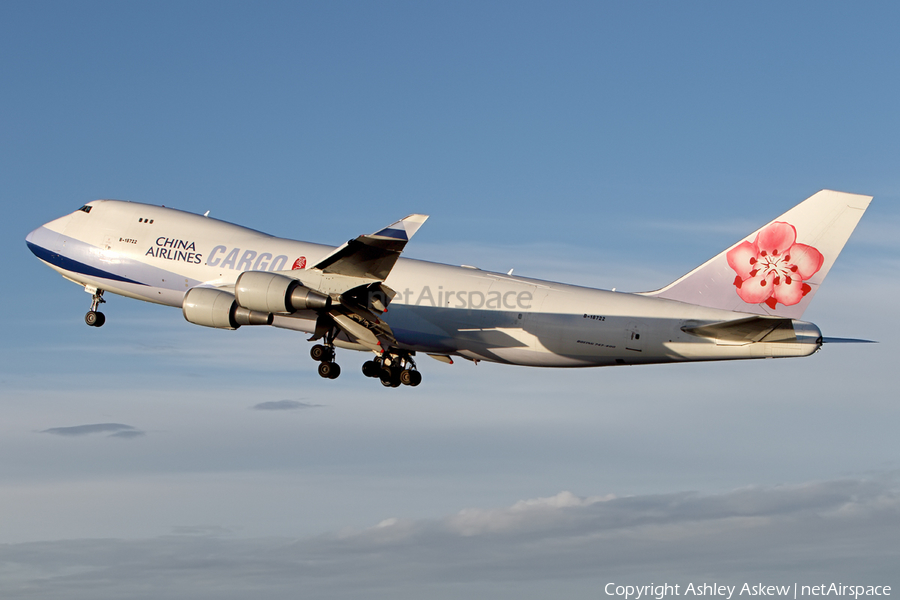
300	263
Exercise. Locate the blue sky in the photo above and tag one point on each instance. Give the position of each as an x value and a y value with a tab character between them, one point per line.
603	144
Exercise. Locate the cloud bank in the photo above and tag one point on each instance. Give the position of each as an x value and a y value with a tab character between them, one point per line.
818	532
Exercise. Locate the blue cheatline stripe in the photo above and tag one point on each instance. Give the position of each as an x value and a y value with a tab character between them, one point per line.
68	264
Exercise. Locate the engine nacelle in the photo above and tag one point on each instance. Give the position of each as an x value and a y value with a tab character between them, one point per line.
217	308
274	293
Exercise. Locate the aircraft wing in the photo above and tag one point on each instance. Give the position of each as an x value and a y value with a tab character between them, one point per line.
369	260
372	256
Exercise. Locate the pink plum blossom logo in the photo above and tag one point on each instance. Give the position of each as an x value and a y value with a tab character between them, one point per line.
300	263
774	267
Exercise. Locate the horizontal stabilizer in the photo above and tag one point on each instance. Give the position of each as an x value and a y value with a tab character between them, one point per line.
836	340
751	329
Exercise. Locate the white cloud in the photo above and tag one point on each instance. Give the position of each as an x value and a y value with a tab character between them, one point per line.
524	513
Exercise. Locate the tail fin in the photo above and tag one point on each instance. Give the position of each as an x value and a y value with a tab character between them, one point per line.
777	269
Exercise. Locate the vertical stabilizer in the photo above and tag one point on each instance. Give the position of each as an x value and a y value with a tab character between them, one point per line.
777	269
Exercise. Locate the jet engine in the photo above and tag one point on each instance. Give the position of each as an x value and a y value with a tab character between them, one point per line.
217	308
274	293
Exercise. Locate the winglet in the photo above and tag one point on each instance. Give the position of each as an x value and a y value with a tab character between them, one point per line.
403	229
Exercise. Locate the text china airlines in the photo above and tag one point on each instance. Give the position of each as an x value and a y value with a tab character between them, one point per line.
220	256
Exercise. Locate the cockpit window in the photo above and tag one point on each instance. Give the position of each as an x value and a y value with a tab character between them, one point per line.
86	208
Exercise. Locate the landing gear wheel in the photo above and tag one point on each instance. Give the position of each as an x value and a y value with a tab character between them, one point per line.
329	370
390	377
94	318
371	368
318	352
410	377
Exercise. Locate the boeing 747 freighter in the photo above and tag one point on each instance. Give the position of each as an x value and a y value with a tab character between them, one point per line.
745	302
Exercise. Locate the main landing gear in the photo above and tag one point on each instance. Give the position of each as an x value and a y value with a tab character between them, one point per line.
325	356
393	369
93	317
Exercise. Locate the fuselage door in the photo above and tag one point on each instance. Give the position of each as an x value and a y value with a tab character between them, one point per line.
633	339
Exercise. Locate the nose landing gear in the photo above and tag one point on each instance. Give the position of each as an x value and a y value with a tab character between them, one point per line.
94	318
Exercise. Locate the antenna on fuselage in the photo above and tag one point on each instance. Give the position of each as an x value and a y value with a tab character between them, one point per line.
206	214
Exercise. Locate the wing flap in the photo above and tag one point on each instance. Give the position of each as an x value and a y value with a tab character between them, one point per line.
357	331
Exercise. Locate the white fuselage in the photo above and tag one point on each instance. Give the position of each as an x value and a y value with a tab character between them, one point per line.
157	254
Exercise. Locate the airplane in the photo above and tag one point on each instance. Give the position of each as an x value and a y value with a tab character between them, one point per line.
745	302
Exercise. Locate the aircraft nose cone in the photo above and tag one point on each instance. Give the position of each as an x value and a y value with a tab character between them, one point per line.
41	241
29	239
